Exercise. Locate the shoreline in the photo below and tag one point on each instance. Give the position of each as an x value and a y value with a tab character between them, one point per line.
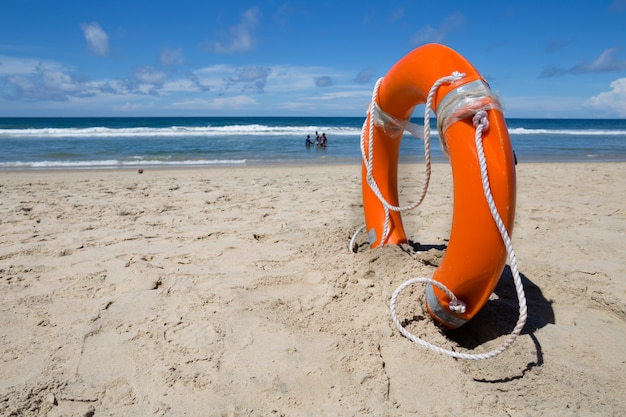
270	165
231	291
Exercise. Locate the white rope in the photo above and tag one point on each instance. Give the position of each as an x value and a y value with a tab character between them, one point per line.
377	115
352	246
481	122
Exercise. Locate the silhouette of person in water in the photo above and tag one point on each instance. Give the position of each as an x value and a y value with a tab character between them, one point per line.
323	140
308	142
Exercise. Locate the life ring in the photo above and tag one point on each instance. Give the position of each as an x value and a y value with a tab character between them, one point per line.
475	255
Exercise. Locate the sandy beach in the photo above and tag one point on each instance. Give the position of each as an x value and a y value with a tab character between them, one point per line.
230	291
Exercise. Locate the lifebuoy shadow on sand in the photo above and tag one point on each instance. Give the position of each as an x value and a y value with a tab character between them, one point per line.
499	315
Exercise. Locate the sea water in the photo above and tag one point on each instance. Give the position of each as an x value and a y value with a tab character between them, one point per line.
72	143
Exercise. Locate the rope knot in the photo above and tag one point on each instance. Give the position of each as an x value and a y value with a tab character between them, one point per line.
457	306
456	76
480	119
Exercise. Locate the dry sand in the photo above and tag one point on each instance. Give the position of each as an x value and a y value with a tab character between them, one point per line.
231	291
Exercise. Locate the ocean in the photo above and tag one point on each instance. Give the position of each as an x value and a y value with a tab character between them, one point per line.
157	142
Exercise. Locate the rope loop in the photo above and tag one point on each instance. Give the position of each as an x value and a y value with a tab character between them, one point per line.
481	122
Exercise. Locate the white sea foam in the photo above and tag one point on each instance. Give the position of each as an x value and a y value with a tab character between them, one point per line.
178	131
566	132
117	163
248	130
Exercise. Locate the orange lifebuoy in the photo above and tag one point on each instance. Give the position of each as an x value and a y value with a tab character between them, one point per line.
476	254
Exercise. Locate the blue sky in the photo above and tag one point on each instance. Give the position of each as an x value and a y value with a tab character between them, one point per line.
299	58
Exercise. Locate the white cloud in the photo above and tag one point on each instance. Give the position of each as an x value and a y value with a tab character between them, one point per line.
284	79
276	79
613	101
195	81
297	105
179	85
221	78
32	80
237	102
324	81
220	103
241	38
214	78
250	78
170	57
59	80
217	68
218	87
149	75
97	39
438	34
364	76
605	62
133	107
343	95
11	65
